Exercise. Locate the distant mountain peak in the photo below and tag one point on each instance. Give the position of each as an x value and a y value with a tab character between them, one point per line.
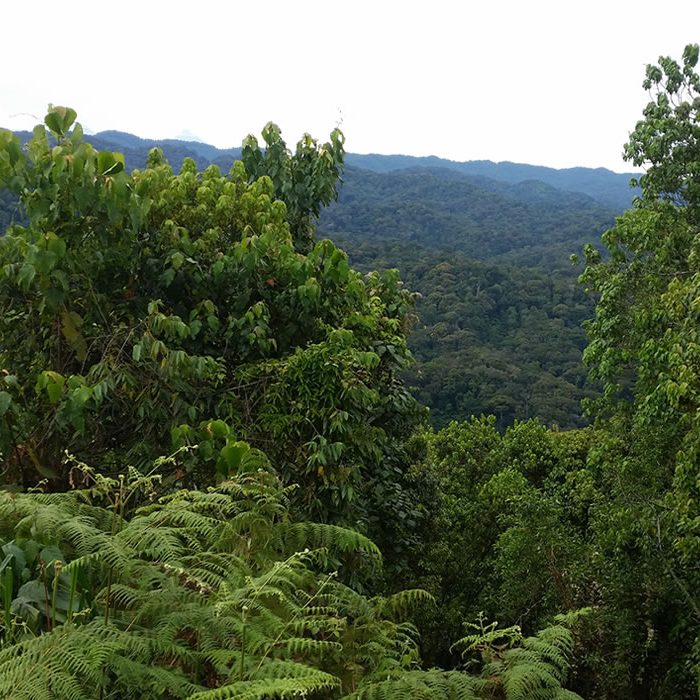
187	135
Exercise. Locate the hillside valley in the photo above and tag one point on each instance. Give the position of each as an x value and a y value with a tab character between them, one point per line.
486	246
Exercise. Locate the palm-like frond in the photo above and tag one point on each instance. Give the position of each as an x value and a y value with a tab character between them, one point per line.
537	668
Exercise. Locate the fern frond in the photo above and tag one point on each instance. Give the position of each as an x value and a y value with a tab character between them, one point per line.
419	685
296	536
403	602
289	687
537	669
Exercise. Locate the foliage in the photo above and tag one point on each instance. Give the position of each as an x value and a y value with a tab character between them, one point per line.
514	668
521	668
147	311
533	522
193	595
489	339
514	511
667	141
644	349
9	210
305	181
203	594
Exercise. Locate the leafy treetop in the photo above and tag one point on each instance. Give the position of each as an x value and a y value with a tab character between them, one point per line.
146	311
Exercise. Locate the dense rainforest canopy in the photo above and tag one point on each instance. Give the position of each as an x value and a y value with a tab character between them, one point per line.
218	484
473	324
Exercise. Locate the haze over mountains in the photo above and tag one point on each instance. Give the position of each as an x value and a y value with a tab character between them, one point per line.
487	247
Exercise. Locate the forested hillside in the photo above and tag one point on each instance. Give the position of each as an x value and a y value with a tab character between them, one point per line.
502	337
218	483
489	338
528	224
498	327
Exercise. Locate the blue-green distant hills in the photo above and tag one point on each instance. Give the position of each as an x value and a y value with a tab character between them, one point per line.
605	186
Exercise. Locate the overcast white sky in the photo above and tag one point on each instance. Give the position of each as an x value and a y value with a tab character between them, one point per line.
547	82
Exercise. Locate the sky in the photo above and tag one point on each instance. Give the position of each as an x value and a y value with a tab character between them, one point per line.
547	82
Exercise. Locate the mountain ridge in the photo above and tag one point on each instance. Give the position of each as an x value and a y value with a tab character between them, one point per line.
605	186
528	223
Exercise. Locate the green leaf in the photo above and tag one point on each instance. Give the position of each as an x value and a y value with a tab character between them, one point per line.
44	261
230	457
74	381
50	554
177	259
55	123
56	246
26	275
60	119
70	323
54	297
5	401
109	163
31	592
690	55
77	134
218	428
195	327
81	395
53	382
19	560
168	276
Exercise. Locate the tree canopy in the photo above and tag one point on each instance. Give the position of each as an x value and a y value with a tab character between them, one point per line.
149	311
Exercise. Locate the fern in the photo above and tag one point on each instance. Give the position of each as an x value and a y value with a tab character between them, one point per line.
210	594
421	685
535	670
216	594
290	687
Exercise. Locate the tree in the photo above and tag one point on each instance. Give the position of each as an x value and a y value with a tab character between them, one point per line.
144	312
644	347
304	181
667	140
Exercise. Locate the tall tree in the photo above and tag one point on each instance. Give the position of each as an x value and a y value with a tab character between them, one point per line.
645	348
144	312
305	181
